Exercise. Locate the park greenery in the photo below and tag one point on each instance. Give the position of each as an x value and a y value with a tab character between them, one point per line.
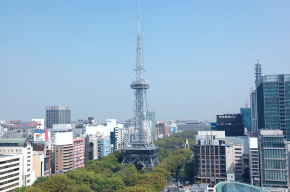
109	174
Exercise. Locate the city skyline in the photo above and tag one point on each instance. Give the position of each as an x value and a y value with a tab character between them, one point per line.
201	58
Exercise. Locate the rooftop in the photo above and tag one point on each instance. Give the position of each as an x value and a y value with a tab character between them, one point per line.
237	187
14	141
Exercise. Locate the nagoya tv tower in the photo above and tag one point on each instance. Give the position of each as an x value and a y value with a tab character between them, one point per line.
140	149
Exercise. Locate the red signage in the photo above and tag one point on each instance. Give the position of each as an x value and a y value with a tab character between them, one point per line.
46	135
28	125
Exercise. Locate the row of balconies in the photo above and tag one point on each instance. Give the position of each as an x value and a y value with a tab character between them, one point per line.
8	166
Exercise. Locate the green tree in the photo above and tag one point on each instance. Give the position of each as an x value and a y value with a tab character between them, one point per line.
83	188
40	180
20	189
58	183
33	189
81	176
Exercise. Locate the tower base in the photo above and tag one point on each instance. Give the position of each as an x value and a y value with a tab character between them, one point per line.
141	157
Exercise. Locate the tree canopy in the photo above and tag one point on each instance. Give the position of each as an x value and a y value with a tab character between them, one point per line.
109	174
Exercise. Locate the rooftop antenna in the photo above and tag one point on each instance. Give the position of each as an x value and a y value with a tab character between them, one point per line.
139	15
258	72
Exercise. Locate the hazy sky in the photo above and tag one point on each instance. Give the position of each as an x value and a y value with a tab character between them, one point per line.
199	55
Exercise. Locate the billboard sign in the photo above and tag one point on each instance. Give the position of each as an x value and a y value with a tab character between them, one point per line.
24	125
41	135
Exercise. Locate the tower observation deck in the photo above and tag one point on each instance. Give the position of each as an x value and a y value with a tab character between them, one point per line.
140	149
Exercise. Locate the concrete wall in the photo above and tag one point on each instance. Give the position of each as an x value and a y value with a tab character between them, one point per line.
38	165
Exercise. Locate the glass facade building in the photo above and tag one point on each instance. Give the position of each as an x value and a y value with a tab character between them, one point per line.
273	159
57	115
151	118
273	103
105	148
246	113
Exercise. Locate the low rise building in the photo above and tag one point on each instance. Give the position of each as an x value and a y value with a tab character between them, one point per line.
235	161
105	146
42	155
210	157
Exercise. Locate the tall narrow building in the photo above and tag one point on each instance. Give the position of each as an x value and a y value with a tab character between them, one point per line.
253	97
140	149
57	115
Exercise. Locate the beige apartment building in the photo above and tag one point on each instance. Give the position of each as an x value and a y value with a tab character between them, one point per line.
63	152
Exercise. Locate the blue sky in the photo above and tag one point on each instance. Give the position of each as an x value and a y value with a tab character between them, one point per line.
199	55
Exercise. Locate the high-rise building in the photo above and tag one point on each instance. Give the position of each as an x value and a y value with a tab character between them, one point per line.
232	124
253	98
57	115
273	101
151	119
273	159
140	149
210	157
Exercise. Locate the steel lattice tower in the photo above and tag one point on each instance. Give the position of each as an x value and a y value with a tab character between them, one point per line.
140	150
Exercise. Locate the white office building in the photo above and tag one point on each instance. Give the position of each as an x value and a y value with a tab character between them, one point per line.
10	172
23	147
254	170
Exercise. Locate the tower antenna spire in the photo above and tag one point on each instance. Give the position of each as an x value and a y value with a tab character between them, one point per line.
139	15
140	149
